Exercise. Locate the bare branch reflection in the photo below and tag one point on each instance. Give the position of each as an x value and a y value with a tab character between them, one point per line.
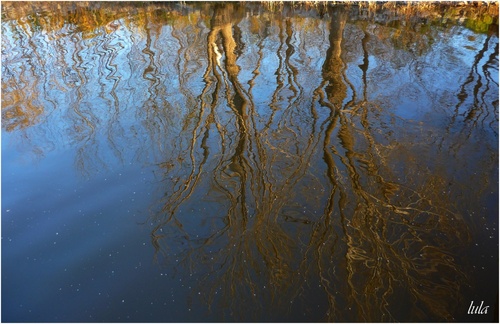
300	154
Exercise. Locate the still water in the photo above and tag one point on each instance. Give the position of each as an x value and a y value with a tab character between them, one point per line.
177	162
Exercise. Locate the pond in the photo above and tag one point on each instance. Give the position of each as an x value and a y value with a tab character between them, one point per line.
263	162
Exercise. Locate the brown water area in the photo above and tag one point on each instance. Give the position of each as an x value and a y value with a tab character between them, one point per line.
247	161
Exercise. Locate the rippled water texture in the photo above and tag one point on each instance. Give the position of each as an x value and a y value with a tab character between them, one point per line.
224	162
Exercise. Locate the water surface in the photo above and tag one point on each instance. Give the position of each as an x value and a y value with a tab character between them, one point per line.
221	162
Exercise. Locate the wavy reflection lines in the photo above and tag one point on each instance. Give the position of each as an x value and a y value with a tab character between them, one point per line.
21	106
286	180
84	118
109	50
152	75
33	85
474	112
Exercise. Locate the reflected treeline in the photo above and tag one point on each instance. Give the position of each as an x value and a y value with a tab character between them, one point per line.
303	155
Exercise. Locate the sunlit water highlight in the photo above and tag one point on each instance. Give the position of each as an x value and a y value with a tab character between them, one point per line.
171	162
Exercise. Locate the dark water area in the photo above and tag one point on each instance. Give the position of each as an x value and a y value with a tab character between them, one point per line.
168	162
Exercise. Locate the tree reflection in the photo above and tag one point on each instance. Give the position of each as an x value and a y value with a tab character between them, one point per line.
287	177
385	238
478	112
386	230
249	241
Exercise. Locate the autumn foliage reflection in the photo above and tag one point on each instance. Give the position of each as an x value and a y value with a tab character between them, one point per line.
288	176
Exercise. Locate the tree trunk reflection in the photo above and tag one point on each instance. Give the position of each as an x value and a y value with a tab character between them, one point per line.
291	176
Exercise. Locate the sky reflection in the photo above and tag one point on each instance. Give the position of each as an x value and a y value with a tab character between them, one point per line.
325	164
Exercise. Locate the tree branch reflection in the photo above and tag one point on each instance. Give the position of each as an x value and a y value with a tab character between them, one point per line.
290	178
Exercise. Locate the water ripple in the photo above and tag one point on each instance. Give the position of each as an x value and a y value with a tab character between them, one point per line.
326	159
